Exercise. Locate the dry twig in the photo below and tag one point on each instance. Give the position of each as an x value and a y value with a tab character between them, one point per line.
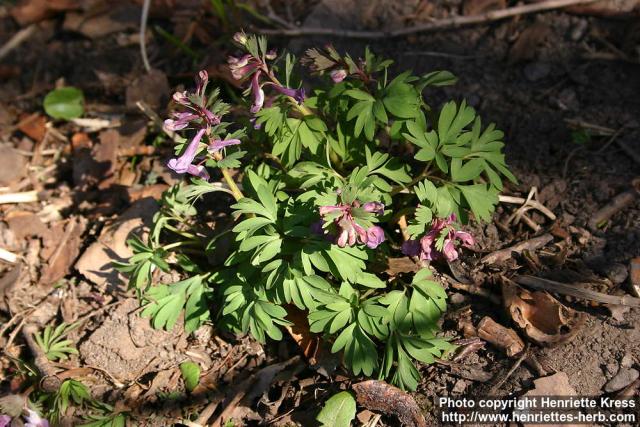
574	291
442	24
618	203
50	382
504	254
16	40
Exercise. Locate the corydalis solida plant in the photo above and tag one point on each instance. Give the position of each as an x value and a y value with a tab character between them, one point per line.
323	187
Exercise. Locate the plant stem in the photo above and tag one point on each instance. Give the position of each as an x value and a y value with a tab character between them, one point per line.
237	194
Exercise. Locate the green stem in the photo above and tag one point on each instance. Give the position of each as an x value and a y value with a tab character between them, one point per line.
235	191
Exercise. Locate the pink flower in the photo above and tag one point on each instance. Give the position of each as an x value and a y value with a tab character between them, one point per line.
258	93
345	231
4	420
442	233
375	236
338	75
184	163
35	420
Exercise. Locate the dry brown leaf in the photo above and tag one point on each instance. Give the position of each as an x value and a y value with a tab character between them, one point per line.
67	243
151	88
405	264
34	126
30	11
96	262
382	397
526	47
542	317
477	7
12	165
24	224
123	17
318	355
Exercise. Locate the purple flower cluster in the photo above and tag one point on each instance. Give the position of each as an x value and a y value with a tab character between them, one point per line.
195	115
427	248
257	68
347	231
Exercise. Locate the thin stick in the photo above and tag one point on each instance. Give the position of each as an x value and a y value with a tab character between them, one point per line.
144	17
7	256
447	23
510	372
16	40
504	254
50	382
619	202
24	197
574	291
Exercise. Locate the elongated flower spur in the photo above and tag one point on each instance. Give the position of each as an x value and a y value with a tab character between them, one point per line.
348	232
439	242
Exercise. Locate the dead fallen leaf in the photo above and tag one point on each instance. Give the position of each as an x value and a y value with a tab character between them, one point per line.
526	46
34	126
124	17
317	354
95	262
151	88
382	397
66	242
12	165
405	264
542	317
608	8
502	337
252	388
25	224
106	156
477	7
30	11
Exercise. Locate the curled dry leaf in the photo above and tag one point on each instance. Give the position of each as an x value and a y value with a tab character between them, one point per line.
379	396
543	318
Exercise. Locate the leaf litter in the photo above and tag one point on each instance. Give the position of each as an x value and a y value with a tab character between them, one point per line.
57	256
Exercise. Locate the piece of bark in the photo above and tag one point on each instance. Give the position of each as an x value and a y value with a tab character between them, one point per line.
502	337
617	204
505	254
379	396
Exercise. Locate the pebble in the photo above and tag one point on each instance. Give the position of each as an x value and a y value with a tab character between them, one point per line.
617	273
623	378
627	360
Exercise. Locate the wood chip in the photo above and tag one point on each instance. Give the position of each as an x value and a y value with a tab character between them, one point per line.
502	337
382	397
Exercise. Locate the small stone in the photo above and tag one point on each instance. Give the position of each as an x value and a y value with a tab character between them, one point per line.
623	378
617	273
627	360
459	387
